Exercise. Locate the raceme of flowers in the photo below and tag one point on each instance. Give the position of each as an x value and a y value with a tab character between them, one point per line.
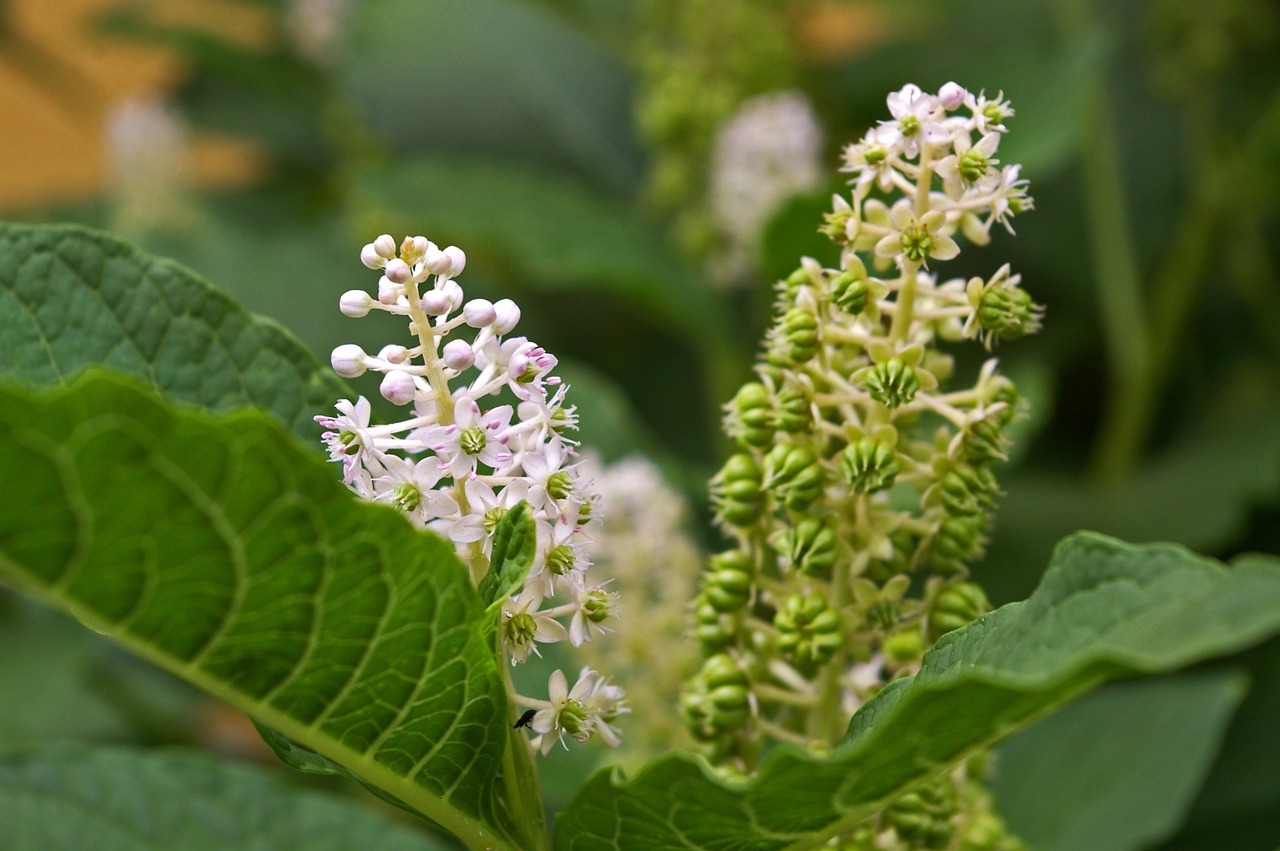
863	484
484	429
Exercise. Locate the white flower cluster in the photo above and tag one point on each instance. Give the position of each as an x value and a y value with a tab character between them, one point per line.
931	134
148	159
484	431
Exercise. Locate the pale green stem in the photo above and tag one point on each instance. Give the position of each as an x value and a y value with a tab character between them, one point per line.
519	775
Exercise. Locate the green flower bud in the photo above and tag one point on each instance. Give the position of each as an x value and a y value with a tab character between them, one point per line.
794	413
794	475
958	542
892	383
849	292
798	332
956	606
810	544
736	491
869	465
793	283
727	587
1006	391
752	420
808	630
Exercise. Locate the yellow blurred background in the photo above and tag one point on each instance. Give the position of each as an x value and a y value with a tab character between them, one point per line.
60	81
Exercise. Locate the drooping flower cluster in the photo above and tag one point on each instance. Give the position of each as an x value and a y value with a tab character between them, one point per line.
484	430
863	485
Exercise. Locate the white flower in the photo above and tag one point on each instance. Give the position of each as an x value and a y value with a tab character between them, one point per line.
473	437
412	488
970	165
594	606
916	117
914	239
524	627
587	709
350	442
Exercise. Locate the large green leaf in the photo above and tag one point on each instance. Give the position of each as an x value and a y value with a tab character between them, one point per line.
70	799
222	551
1118	770
1105	610
71	298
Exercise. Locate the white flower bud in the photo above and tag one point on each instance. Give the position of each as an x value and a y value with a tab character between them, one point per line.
397	387
369	256
506	316
453	292
413	248
355	303
394	353
457	261
458	355
398	271
348	360
385	246
389	292
952	95
479	312
437	262
435	303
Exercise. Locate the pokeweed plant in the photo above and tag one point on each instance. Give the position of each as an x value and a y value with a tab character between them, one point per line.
852	679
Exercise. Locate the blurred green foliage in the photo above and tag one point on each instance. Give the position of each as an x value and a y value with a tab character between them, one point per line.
536	136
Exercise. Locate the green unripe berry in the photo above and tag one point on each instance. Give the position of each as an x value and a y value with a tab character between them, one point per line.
810	544
406	497
959	540
1008	312
472	440
808	630
794	475
892	383
984	441
869	465
798	332
729	581
713	629
956	606
972	165
849	292
794	413
753	415
736	491
560	559
559	484
902	648
967	490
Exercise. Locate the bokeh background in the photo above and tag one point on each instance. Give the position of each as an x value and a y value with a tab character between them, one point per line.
636	174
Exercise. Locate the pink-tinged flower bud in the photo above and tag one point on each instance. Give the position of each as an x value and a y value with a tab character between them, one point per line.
435	303
397	387
388	292
506	316
458	355
951	95
369	256
453	293
348	360
437	262
355	303
385	246
398	271
394	353
457	261
479	313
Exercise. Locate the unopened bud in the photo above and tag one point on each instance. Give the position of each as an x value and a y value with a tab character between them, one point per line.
355	303
398	387
458	354
348	360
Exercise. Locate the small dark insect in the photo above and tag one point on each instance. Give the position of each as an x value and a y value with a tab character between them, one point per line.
525	718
